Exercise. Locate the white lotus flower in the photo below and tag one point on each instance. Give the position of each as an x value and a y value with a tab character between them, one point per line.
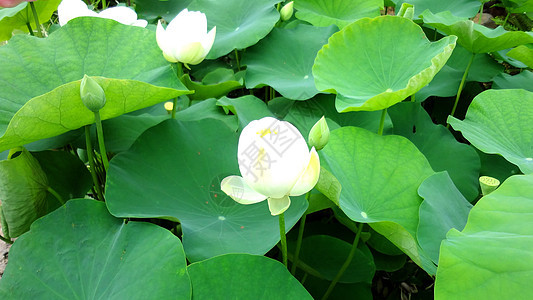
70	9
186	38
275	163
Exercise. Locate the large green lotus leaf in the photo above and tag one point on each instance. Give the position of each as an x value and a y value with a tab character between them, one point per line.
326	254
499	122
240	23
81	252
475	37
519	81
443	208
459	8
491	258
62	109
17	17
247	108
244	276
152	9
284	60
439	146
391	57
39	77
336	12
523	54
23	190
380	176
180	165
66	174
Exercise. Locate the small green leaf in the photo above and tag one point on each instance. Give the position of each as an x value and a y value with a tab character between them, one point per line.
522	53
247	108
391	56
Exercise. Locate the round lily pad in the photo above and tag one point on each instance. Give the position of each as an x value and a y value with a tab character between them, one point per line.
499	122
284	60
373	64
244	276
80	251
380	176
180	165
491	257
336	12
240	23
40	78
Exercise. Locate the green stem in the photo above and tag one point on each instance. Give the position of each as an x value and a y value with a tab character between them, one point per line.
506	18
56	194
461	86
30	29
179	73
36	17
283	238
91	162
104	5
100	134
298	244
279	6
346	263
382	121
413	98
237	59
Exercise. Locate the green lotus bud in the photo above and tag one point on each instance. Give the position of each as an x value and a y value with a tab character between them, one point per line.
286	11
92	94
319	134
407	11
488	184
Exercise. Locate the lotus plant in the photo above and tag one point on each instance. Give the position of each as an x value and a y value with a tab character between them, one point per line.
275	163
186	39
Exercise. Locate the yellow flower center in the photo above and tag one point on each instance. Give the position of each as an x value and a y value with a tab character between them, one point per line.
264	132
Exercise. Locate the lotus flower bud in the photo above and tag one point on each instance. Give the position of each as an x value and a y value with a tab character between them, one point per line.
319	134
286	11
92	94
488	184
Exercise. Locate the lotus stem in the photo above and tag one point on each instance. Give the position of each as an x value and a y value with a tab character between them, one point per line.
346	262
382	121
100	133
30	29
298	244
465	75
36	18
90	155
56	194
237	60
179	73
283	238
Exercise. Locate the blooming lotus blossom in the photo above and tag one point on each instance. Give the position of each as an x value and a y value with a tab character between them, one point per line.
275	163
186	38
70	9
